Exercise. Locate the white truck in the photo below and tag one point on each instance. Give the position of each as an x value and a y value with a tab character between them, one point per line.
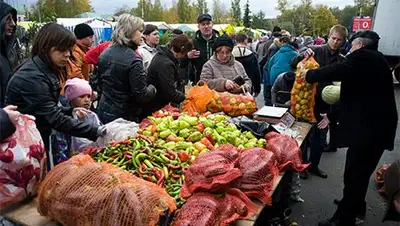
387	24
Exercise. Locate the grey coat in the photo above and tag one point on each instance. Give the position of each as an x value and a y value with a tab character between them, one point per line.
216	74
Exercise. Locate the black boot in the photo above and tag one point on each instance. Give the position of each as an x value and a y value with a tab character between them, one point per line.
361	211
318	172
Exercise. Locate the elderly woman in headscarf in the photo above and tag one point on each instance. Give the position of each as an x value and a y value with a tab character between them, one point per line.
222	72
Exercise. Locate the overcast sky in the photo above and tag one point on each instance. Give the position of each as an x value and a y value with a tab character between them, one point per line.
268	6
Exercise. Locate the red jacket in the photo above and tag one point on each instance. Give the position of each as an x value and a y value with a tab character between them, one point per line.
93	54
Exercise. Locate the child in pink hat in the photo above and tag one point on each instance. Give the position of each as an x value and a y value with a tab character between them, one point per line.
78	93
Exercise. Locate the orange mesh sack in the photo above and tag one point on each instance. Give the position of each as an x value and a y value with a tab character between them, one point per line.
83	192
213	171
198	98
259	169
232	104
286	150
204	209
302	98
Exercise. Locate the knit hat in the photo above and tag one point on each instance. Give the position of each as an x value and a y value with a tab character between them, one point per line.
223	40
372	35
76	87
82	31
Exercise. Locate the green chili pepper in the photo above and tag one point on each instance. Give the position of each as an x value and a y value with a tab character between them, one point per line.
148	163
159	159
121	162
158	152
139	157
166	160
166	174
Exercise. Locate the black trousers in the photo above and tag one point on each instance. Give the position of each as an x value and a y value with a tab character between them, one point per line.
360	164
333	133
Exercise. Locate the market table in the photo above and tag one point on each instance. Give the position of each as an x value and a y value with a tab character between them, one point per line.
25	213
302	130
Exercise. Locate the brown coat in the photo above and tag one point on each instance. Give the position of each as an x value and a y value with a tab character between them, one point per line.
216	74
78	68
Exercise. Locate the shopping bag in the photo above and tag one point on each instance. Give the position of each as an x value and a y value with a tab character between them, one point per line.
78	143
198	98
21	163
302	99
233	104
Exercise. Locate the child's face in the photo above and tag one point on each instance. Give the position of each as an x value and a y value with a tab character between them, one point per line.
82	101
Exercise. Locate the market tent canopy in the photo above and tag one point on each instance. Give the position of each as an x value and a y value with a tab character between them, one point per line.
183	27
160	24
93	22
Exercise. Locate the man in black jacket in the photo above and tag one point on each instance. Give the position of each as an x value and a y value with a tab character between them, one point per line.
203	46
244	55
365	129
327	54
8	55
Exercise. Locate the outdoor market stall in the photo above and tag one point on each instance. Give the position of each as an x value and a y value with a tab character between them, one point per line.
198	160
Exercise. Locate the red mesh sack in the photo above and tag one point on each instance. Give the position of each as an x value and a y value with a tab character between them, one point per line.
213	171
83	192
204	209
287	151
259	169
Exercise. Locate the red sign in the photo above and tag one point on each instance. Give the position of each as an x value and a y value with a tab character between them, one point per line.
362	23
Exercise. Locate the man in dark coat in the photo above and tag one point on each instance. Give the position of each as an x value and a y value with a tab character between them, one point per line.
203	46
8	54
245	56
325	55
367	130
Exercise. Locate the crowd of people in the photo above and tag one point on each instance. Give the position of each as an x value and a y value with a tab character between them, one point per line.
132	76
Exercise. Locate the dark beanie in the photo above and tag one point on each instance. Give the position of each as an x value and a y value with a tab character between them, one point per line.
223	40
276	29
82	31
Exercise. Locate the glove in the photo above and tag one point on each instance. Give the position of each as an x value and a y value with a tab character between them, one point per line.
101	131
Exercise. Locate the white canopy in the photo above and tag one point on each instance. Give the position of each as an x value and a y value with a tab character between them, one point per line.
93	22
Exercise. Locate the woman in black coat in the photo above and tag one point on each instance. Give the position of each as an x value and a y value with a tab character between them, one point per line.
163	73
367	121
122	78
35	87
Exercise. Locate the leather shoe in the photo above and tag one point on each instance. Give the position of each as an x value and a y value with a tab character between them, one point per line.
361	211
318	172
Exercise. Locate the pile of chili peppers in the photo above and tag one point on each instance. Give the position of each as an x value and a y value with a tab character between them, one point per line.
140	156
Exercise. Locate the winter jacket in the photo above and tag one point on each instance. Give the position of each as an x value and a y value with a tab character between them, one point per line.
284	82
147	54
249	61
216	74
279	63
122	84
7	128
360	123
8	54
92	56
35	90
270	52
78	67
206	52
163	73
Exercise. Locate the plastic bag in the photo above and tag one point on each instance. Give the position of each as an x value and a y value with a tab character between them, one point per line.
204	209
21	163
81	192
198	98
117	130
232	104
259	129
286	150
302	98
78	143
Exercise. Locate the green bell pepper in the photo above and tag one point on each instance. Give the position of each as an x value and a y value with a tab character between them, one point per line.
185	133
195	136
